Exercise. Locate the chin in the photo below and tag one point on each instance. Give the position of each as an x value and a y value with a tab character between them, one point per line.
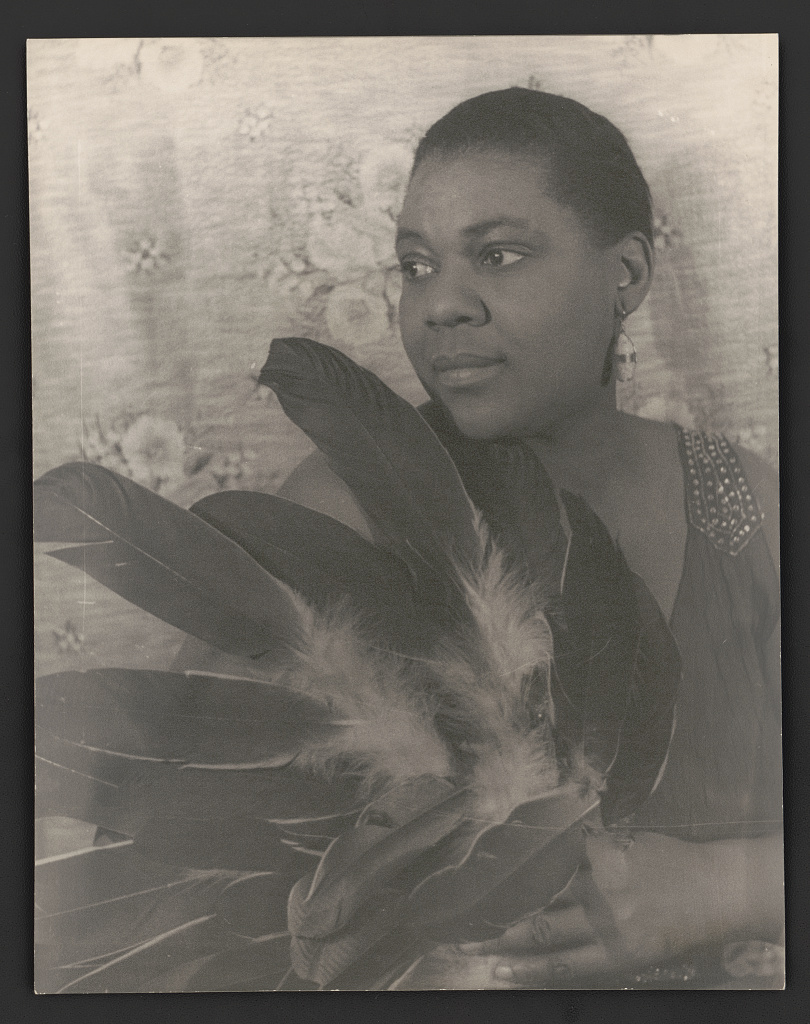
480	423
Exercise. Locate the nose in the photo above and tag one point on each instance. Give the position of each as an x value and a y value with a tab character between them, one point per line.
452	299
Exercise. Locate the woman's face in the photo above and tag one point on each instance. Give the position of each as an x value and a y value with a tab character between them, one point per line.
507	306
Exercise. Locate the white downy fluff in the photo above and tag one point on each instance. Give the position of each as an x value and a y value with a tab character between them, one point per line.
394	736
482	674
511	648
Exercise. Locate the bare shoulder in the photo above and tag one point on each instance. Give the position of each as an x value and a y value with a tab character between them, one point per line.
763	480
314	485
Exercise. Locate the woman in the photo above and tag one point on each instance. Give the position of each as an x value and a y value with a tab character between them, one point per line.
525	240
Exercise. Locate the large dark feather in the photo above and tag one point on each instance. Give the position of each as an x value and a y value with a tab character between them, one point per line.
69	885
507	482
487	877
385	452
287	793
479	890
135	970
358	955
95	875
185	718
617	667
256	965
256	905
107	928
66	792
324	561
223	844
650	716
117	792
595	651
391	831
164	559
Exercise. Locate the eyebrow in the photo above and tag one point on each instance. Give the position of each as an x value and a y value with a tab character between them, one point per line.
474	230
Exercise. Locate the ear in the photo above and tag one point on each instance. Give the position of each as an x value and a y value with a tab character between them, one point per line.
635	266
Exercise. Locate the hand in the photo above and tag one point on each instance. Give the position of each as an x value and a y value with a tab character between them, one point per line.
636	904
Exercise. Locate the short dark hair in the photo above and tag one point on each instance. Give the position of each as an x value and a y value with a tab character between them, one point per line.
590	164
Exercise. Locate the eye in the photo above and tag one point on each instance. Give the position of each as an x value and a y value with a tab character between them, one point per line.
500	257
414	268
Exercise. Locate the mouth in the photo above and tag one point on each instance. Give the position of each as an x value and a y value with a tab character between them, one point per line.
466	369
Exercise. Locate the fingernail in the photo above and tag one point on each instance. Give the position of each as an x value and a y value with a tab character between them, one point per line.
467	947
504	973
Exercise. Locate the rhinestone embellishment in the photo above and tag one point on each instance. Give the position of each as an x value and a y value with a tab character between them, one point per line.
719	500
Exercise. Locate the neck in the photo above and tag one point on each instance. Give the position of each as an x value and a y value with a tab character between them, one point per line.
581	453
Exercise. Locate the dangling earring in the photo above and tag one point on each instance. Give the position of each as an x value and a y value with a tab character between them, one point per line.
624	352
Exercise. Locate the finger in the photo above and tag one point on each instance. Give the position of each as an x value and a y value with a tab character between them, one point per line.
553	929
556	970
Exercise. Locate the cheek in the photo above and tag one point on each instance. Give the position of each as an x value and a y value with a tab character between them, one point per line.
557	322
409	322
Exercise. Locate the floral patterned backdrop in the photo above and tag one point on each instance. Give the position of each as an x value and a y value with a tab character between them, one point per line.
193	198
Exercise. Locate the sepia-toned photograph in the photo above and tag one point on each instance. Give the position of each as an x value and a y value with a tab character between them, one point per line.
406	513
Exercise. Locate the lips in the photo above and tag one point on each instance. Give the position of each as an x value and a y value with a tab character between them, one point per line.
466	369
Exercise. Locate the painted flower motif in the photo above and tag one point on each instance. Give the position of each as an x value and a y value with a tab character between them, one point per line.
232	469
354	317
154	450
753	958
324	182
772	358
392	291
383	175
216	57
69	639
173	65
349	243
665	235
103	446
312	199
254	123
147	256
754	437
386	284
36	126
632	49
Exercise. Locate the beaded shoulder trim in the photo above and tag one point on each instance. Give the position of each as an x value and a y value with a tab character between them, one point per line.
718	499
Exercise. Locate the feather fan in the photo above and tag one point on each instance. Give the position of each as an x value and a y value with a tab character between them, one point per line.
393	780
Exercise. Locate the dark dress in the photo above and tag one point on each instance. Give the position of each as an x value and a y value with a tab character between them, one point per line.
723	777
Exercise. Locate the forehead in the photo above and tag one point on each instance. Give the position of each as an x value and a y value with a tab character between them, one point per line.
450	194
